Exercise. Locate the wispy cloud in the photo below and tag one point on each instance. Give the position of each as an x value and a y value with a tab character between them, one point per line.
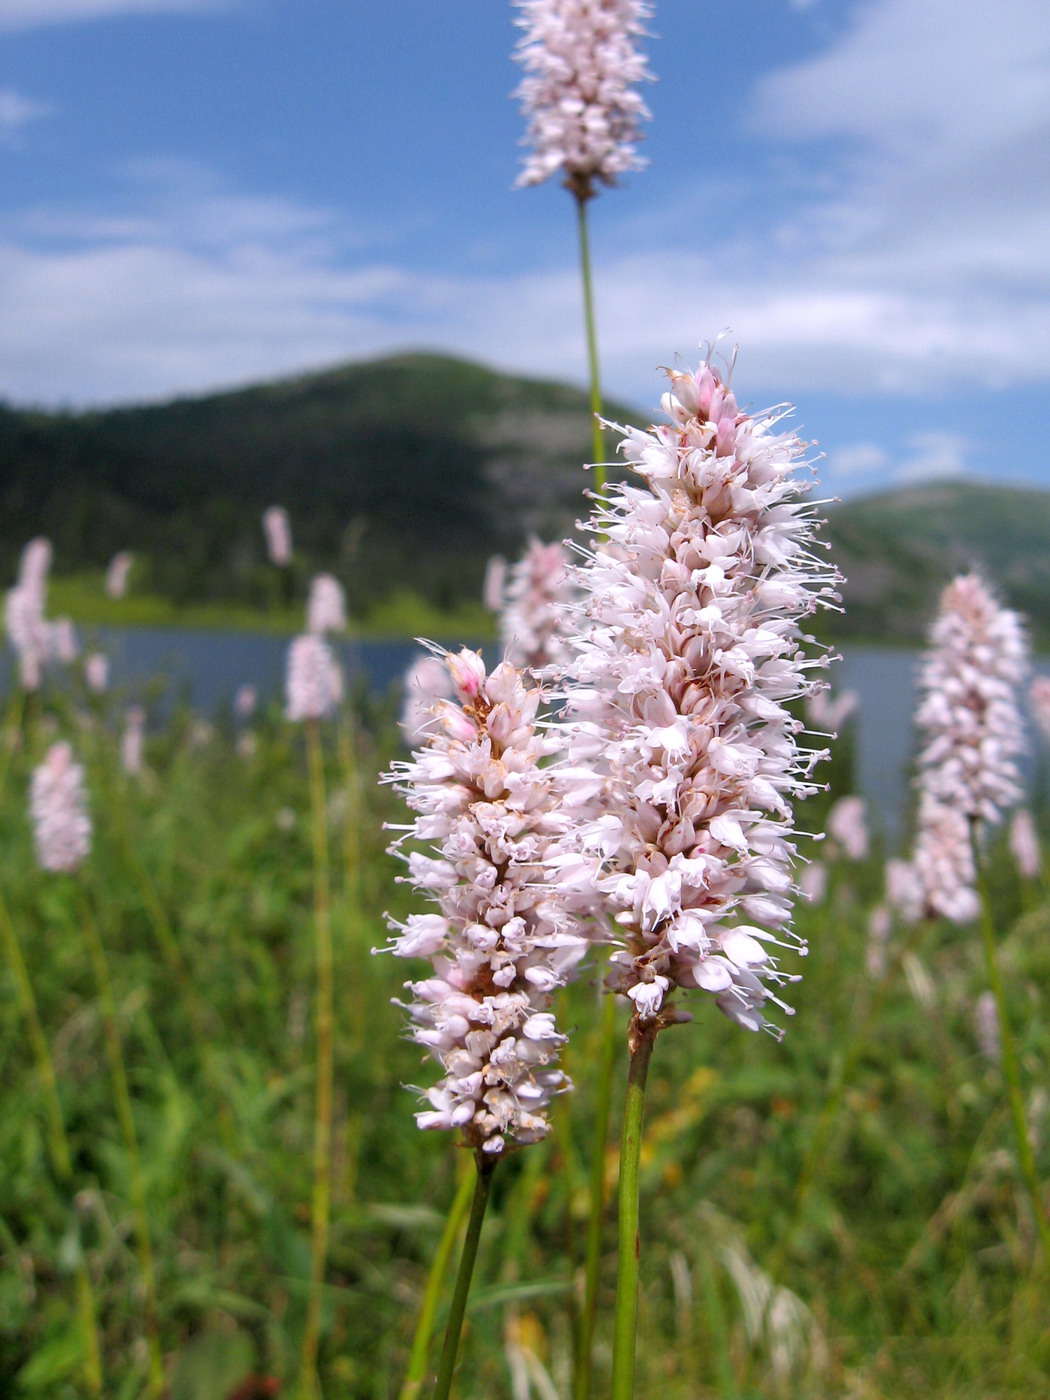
929	456
17	112
30	14
913	256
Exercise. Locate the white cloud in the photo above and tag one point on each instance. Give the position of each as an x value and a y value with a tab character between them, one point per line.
30	14
193	285
17	112
932	78
927	267
933	457
928	456
857	459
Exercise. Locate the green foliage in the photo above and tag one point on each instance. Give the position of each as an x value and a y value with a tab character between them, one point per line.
400	474
899	549
906	1265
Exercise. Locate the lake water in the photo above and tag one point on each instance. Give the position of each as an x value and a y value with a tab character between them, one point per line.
206	667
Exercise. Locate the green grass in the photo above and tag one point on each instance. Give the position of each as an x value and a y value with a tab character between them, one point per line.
909	1265
82	597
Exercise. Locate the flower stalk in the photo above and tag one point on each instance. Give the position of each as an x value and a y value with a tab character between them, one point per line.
58	1143
417	1361
1010	1066
641	1039
125	1116
320	1205
486	1164
591	331
596	1211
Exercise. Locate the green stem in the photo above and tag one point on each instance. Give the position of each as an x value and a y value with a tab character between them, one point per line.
642	1038
593	1248
597	434
115	1055
320	1206
447	1366
1011	1069
202	1028
417	1361
58	1143
358	971
816	1158
16	707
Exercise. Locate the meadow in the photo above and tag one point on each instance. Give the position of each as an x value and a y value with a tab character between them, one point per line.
836	1215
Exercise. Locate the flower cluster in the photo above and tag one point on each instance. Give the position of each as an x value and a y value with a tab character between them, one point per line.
536	613
1039	699
132	740
278	531
972	733
58	807
118	573
848	826
682	755
503	938
578	92
426	681
326	606
314	684
24	606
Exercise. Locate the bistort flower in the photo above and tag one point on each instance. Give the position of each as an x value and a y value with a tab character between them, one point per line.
326	607
426	681
278	531
24	606
578	94
683	755
972	733
503	938
58	807
537	614
118	572
314	685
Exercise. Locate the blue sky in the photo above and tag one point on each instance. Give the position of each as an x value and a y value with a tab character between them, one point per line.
202	193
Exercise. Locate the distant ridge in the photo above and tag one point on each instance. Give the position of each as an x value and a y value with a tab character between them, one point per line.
898	549
404	474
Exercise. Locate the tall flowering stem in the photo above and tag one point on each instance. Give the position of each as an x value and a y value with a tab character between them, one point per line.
58	1142
642	1039
682	758
505	935
486	1164
1011	1070
592	1257
972	734
320	1206
584	114
591	333
136	1181
972	730
417	1362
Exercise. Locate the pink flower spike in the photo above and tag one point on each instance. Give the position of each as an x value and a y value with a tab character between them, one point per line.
578	94
58	806
278	531
505	935
326	608
972	735
118	573
314	686
688	645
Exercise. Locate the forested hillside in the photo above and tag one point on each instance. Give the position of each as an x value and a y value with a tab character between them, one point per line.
404	475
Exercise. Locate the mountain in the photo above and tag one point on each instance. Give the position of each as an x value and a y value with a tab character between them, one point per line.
403	475
898	549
